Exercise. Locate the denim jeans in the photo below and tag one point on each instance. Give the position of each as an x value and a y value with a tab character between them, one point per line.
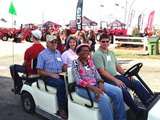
104	103
136	86
61	92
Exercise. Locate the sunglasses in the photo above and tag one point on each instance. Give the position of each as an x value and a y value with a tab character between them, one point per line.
54	42
105	41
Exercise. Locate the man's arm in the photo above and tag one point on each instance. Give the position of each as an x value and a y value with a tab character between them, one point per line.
120	69
108	76
47	74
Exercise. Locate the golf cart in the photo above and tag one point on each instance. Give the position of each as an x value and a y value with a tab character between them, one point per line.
38	97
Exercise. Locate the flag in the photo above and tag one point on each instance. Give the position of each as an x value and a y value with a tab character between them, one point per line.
12	10
150	20
3	20
139	21
130	18
79	15
101	5
116	4
15	22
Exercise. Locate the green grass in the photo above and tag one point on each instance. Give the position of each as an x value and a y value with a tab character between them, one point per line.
125	53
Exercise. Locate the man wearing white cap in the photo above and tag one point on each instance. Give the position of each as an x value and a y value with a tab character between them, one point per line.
49	65
30	54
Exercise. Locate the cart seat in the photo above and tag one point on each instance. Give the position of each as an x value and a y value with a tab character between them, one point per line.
73	95
45	88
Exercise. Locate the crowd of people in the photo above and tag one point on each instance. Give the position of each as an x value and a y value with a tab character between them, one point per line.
98	70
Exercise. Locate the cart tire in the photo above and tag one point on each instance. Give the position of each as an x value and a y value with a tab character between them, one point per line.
28	102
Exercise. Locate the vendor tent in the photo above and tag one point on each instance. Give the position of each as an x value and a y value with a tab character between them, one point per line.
116	24
50	24
85	22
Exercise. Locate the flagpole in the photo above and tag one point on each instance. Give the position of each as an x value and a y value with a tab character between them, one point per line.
13	12
12	42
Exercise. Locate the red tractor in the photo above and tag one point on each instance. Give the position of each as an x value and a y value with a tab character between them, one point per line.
6	33
49	27
24	33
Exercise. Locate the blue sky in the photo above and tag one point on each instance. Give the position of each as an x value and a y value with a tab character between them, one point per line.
61	11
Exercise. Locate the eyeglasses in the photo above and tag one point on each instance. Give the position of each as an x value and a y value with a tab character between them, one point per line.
105	41
54	42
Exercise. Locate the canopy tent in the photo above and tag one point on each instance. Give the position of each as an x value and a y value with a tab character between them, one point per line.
50	24
88	22
85	22
116	24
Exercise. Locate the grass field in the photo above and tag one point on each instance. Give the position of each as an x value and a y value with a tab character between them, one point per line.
137	54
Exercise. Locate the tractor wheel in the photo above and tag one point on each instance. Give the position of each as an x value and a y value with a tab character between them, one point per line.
5	37
28	102
28	39
44	36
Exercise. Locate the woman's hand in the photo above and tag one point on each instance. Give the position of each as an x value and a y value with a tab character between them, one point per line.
97	92
101	86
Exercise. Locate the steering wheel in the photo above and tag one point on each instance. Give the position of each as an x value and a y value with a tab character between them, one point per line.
133	70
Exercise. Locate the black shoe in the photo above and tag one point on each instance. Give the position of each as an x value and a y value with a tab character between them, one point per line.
63	114
141	114
16	91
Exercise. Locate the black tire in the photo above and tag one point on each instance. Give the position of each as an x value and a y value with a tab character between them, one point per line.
5	37
28	102
28	39
44	36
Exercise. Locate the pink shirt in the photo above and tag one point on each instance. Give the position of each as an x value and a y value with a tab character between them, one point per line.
68	56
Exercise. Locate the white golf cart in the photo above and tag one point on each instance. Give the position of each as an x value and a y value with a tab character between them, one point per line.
38	97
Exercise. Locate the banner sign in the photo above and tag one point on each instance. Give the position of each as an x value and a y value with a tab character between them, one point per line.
79	15
150	20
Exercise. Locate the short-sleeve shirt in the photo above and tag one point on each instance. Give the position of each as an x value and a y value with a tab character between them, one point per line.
68	56
31	53
106	60
82	73
50	61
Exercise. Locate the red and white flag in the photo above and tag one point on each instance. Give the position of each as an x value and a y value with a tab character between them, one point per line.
150	20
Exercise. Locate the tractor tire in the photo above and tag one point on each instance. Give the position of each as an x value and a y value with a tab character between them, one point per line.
44	36
28	39
5	37
28	102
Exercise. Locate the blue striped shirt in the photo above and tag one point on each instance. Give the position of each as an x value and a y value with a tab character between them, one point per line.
50	61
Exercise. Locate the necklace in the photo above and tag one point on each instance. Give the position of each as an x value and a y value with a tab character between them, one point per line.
83	63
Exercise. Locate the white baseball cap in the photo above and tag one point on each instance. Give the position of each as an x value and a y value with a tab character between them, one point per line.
51	38
37	34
